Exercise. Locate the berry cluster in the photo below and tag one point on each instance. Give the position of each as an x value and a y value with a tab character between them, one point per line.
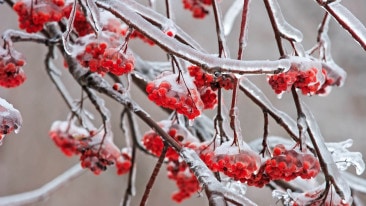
197	7
207	85
34	14
309	80
185	180
11	72
75	140
154	143
289	164
81	25
176	92
178	170
235	163
103	57
245	166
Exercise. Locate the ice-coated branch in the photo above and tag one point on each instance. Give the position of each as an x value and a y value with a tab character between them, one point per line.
223	49
347	20
45	191
131	189
207	62
157	19
10	36
326	161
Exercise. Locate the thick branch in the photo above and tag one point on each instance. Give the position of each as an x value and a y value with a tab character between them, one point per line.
208	62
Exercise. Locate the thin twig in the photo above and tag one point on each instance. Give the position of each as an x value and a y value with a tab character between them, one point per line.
154	174
130	190
45	191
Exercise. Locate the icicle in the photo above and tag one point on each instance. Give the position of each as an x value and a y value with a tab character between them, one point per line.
231	15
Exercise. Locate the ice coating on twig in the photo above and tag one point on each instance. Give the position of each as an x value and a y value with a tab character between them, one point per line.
209	62
286	30
338	181
256	93
10	119
231	15
349	22
345	158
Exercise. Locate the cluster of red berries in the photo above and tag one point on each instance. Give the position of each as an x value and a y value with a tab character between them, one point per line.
81	25
239	166
34	14
197	7
11	72
238	163
75	140
207	85
154	143
309	81
185	180
245	166
176	92
289	164
178	170
102	57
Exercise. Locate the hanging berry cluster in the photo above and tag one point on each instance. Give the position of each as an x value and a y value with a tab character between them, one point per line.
176	92
178	171
11	72
75	140
103	55
199	8
34	14
289	164
207	84
310	78
81	25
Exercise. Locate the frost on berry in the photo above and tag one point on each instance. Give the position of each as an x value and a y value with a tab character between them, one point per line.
199	8
95	154
307	77
34	14
236	162
289	164
10	119
11	72
104	55
176	92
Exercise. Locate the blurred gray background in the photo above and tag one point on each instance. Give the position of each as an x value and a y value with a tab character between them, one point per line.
30	159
